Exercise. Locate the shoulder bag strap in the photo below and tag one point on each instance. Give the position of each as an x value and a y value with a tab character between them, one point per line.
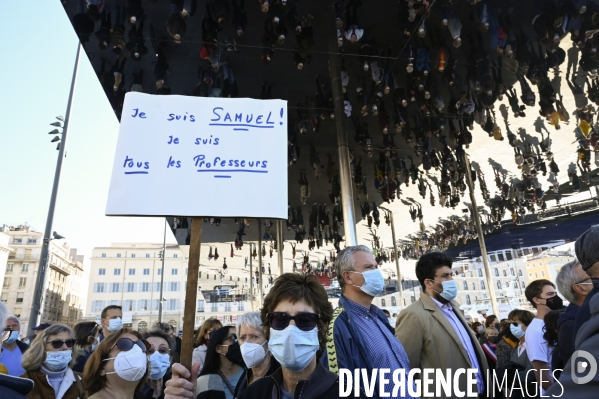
227	382
79	386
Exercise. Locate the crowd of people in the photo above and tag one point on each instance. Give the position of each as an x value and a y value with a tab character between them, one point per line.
297	343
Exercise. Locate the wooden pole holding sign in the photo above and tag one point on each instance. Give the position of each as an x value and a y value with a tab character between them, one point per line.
191	293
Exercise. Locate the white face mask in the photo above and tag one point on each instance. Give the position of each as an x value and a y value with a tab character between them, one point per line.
253	353
130	365
293	348
115	325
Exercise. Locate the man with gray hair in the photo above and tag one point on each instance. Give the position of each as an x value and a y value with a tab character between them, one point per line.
359	335
587	252
12	348
574	284
11	387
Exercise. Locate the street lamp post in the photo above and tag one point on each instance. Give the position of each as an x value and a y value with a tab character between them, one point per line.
399	284
162	274
38	295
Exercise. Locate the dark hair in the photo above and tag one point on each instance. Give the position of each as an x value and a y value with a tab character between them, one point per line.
535	288
158	333
386	312
93	12
428	264
212	363
109	307
83	332
488	320
299	288
117	50
505	330
550	334
208	324
94	382
524	316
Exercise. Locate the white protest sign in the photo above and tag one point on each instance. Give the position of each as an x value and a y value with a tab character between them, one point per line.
200	156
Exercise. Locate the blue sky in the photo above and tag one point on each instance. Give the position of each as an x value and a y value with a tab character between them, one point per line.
37	67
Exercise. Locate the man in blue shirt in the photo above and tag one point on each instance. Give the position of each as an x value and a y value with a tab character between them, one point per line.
13	349
360	336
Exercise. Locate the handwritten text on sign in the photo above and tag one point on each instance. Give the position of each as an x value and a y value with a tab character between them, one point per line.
198	156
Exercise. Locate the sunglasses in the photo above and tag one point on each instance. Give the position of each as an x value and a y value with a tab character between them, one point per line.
5	334
305	321
58	343
161	350
125	344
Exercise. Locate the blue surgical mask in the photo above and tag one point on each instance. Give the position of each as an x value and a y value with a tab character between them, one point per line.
374	282
12	338
159	363
94	346
517	331
115	325
293	348
58	360
450	289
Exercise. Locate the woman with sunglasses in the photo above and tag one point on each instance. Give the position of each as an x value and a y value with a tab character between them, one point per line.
254	350
47	364
86	334
118	367
160	363
224	366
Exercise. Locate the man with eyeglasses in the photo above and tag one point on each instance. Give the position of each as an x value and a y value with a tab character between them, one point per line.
574	284
359	335
12	348
434	331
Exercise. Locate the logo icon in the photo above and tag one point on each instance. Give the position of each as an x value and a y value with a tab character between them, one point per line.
582	363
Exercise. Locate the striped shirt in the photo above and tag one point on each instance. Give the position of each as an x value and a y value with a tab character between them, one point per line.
375	334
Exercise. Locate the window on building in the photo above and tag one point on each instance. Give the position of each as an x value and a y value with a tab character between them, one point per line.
9	268
465	285
145	287
130	287
18	313
504	273
143	304
213	307
542	273
480	272
31	241
115	287
519	272
128	305
19	297
413	298
241	306
522	284
493	258
155	304
468	302
133	255
509	255
496	272
132	272
100	287
101	272
499	284
118	255
146	272
117	272
536	275
103	255
500	256
175	286
22	282
147	255
174	272
512	271
159	271
24	267
4	297
473	286
393	301
482	285
200	306
228	306
383	303
17	240
515	284
173	304
175	256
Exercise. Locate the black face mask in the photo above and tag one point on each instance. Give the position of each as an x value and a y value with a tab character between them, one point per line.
497	326
234	355
554	303
494	339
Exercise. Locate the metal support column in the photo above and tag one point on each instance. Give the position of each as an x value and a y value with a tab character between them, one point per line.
251	279
280	245
481	238
160	302
347	197
36	305
399	284
260	288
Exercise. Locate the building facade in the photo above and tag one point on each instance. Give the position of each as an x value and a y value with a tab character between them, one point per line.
130	275
66	279
4	251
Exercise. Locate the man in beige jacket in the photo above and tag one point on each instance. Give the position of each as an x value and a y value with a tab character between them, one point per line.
435	334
